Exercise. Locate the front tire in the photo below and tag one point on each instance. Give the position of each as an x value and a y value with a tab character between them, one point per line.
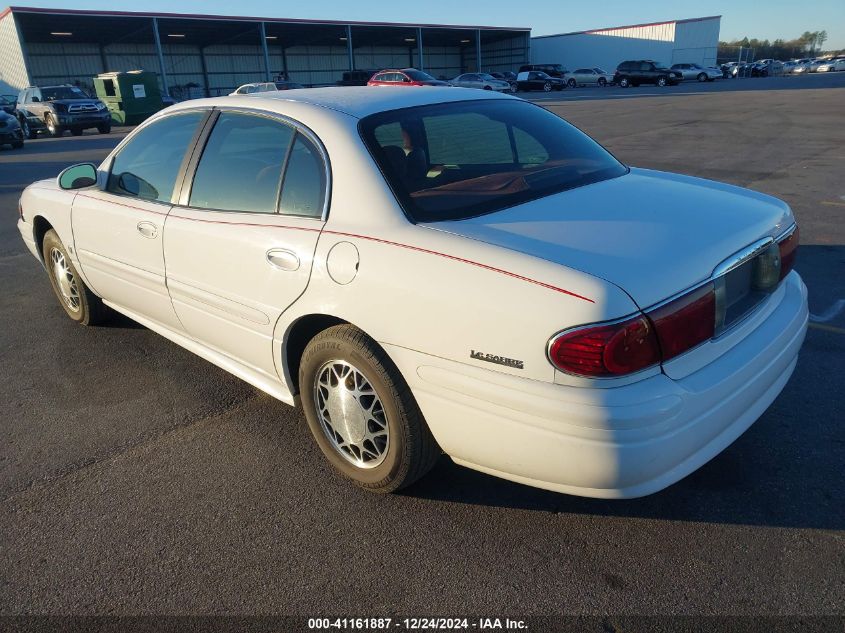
602	82
547	87
76	131
571	83
105	128
702	77
79	303
661	81
362	413
53	128
17	145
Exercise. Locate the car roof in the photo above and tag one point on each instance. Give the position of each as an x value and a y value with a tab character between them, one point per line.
356	101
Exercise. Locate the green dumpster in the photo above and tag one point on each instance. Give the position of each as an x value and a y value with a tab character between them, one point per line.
131	97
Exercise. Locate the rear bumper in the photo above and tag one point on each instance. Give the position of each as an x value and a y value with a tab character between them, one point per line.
617	442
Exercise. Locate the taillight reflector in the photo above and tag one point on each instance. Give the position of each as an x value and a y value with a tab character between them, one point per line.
788	251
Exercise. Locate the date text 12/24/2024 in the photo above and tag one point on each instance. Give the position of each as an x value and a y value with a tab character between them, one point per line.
417	624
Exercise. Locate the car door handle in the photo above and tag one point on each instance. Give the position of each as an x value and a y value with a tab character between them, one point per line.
148	229
283	259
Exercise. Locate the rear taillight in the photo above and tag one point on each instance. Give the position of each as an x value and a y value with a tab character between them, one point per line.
788	251
662	333
606	350
685	322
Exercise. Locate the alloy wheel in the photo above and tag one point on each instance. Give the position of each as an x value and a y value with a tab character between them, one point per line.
351	414
65	280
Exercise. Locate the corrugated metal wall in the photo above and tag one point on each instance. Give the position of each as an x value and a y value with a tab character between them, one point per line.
13	75
503	55
693	41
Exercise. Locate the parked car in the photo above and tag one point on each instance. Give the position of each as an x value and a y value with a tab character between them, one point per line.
10	130
481	81
404	77
248	89
538	80
505	76
356	77
9	103
645	71
552	70
831	65
801	66
635	322
54	109
697	72
589	77
767	67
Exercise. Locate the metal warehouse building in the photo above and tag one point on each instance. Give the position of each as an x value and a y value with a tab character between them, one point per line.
693	40
207	55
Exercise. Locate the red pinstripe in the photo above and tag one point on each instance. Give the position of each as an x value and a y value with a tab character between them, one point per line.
371	239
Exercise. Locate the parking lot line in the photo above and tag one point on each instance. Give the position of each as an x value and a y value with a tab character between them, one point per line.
833	203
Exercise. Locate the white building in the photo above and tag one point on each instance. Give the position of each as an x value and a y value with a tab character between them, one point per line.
694	40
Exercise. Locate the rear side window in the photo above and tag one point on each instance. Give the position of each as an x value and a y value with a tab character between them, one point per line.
304	185
241	165
463	159
147	166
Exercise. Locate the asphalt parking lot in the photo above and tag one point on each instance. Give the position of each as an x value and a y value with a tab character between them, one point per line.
136	478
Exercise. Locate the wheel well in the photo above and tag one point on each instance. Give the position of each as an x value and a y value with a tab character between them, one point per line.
40	228
299	335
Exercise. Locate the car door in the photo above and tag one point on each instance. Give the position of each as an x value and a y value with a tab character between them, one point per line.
239	245
117	230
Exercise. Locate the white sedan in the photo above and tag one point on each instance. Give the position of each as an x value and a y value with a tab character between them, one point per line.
439	270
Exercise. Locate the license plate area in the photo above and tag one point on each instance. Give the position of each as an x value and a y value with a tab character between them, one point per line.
744	287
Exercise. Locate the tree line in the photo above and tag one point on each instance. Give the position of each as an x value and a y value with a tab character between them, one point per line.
807	45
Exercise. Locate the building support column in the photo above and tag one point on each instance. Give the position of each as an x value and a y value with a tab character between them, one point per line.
420	49
263	33
160	58
204	72
349	49
103	60
478	50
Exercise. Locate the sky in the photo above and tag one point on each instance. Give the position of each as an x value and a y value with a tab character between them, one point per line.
766	20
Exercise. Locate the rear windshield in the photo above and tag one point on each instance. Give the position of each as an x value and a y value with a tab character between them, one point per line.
458	160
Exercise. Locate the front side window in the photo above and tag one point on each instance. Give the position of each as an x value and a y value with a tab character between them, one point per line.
241	165
147	166
464	159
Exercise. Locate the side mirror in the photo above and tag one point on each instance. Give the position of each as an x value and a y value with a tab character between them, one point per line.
78	176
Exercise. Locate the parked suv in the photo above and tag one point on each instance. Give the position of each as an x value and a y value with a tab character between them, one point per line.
552	70
645	71
55	109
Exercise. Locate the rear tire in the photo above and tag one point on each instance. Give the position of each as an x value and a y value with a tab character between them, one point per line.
624	83
78	302
602	82
362	413
28	132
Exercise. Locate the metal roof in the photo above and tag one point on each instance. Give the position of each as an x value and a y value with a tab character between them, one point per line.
201	16
631	26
